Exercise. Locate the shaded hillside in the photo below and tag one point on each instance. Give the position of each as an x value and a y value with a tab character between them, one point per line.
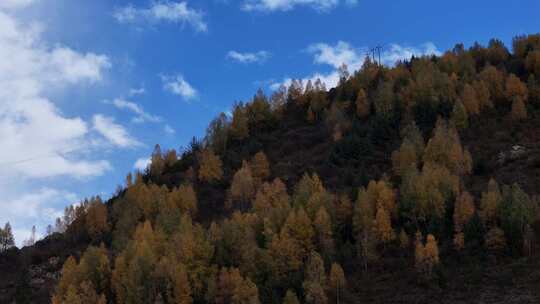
411	184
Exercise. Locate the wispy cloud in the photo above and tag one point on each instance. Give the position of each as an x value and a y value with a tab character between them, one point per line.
113	132
247	57
163	11
179	86
141	115
286	5
136	91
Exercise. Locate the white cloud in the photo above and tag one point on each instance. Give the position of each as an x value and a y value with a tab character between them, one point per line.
141	164
343	53
286	5
167	11
169	130
37	139
247	57
14	4
396	52
114	133
179	86
72	66
34	205
141	115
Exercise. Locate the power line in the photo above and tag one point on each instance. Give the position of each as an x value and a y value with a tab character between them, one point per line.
37	157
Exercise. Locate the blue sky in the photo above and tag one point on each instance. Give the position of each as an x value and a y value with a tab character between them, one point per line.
88	87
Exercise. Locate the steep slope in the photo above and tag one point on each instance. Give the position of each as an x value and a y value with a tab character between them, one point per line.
374	177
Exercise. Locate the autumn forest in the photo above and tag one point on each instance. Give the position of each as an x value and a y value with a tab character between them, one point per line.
413	183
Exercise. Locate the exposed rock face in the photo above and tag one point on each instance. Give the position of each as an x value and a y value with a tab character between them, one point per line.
516	152
29	275
48	272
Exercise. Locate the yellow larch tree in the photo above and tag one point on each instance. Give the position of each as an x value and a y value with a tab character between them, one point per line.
515	88
243	186
470	100
260	167
210	166
336	281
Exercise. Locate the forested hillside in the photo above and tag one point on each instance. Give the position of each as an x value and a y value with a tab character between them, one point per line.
416	183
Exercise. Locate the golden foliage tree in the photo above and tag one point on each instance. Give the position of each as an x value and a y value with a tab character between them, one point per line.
431	253
410	152
272	206
419	251
404	158
185	199
260	167
460	117
310	194
181	289
315	280
470	99
243	186
482	94
96	219
239	128
427	192
290	298
494	79
515	88
286	258
314	293
324	235
68	278
463	210
365	228
298	226
532	62
426	256
234	289
86	282
336	281
157	163
384	225
191	247
489	203
444	148
210	169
